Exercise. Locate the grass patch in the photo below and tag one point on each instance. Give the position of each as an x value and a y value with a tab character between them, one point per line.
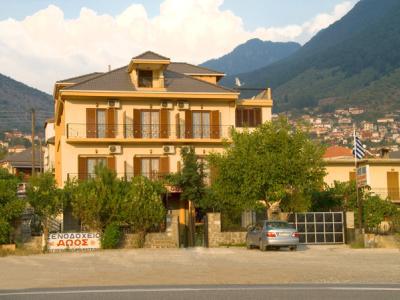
19	252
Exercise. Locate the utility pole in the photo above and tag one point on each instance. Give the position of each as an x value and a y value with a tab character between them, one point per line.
40	154
33	139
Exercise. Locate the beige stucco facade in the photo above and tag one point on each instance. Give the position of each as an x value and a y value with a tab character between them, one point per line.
72	141
382	175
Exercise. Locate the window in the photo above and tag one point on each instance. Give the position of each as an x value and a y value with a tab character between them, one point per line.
101	123
145	78
150	167
201	124
92	163
150	127
248	117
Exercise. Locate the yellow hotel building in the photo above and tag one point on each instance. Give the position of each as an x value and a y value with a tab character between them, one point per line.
136	119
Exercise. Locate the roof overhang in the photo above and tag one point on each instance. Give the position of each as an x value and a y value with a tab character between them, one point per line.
251	102
149	94
151	64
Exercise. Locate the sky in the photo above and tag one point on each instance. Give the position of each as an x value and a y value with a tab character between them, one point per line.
42	41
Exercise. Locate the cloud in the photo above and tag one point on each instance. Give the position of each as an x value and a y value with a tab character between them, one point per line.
46	46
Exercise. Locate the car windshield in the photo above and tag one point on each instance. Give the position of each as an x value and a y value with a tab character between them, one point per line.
278	225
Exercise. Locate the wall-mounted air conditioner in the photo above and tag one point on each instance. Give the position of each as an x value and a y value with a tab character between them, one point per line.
166	104
113	103
168	149
115	149
183	105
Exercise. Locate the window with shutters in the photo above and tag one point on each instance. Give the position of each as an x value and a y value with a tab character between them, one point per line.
92	163
393	186
150	167
201	122
100	123
150	123
248	117
145	78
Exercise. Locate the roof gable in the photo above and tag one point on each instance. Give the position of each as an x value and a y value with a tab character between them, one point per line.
150	55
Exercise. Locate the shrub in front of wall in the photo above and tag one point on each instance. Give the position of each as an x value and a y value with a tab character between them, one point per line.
111	237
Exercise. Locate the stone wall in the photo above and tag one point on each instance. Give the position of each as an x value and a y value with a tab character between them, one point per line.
217	238
167	239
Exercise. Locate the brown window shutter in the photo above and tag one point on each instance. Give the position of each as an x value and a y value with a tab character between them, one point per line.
177	126
137	130
82	168
164	165
164	123
393	185
188	124
251	118
137	166
110	129
239	117
124	125
352	176
257	117
245	117
215	130
90	122
111	163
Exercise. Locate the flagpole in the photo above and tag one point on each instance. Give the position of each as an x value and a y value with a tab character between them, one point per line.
355	165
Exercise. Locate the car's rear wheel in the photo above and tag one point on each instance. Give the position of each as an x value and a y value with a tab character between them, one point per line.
293	248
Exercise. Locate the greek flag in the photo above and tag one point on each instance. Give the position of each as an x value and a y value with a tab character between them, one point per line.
358	150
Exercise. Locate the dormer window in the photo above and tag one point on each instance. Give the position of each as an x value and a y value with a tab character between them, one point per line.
145	78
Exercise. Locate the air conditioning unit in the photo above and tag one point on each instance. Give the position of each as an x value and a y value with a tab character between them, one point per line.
115	149
112	103
183	105
168	149
166	104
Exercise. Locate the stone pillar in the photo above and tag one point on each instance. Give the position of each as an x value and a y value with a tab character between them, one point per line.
172	228
350	229
214	229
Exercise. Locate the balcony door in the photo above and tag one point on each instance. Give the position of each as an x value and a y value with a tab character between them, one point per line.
87	165
150	124
100	123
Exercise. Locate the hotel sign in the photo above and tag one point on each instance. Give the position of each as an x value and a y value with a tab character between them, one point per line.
362	176
73	241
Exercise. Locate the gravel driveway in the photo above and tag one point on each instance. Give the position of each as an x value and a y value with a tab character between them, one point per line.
313	264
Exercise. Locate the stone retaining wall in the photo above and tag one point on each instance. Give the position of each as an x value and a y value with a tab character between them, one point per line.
217	238
167	239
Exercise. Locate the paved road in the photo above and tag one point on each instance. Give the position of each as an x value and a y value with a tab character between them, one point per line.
199	266
325	292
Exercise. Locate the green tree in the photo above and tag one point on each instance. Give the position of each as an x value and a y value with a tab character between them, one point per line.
275	162
142	207
11	207
97	201
44	196
191	179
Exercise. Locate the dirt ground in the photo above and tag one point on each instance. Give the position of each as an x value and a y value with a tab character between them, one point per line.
313	264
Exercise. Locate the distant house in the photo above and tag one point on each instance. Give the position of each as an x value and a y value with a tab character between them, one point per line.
382	173
21	163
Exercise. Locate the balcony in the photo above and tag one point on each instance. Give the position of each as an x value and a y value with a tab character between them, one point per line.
122	176
79	132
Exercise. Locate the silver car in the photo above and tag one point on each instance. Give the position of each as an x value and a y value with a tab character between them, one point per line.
272	234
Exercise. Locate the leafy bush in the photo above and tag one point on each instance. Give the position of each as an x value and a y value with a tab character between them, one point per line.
11	207
111	237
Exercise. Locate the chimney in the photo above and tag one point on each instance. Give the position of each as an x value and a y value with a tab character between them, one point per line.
269	93
384	153
109	68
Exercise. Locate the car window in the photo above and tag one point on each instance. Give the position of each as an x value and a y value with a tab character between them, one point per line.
278	225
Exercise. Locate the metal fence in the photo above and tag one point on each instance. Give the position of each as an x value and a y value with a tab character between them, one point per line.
319	227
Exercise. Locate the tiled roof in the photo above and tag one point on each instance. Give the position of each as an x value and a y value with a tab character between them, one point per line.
185	68
338	151
151	55
119	80
23	159
81	78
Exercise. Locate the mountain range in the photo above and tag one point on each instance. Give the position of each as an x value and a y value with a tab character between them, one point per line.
16	102
355	61
251	55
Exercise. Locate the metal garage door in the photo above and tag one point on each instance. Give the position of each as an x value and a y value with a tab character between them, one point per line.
319	227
